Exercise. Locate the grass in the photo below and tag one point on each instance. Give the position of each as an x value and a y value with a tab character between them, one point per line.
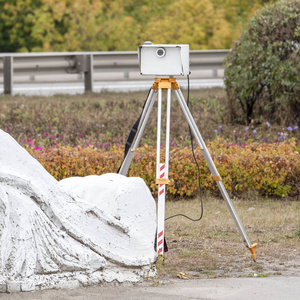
213	247
105	119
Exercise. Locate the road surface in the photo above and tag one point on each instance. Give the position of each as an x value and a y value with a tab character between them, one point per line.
269	288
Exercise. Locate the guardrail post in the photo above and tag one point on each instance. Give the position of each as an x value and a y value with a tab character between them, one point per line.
8	74
88	74
84	64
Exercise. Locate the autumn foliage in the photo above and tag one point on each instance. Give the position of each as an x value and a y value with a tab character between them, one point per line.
270	169
110	25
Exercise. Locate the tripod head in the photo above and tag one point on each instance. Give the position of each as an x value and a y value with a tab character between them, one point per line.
164	59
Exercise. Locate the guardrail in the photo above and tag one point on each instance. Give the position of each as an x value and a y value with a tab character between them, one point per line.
90	66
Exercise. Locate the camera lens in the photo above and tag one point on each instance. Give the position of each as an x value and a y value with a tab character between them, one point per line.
160	52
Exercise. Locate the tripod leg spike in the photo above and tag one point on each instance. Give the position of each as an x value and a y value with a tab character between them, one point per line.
252	249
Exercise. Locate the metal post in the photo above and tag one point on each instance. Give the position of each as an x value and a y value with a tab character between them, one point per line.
214	73
84	64
8	74
89	73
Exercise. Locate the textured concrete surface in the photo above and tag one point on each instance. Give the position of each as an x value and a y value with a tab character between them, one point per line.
273	288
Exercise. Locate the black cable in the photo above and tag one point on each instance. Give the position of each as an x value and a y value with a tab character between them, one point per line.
199	183
133	132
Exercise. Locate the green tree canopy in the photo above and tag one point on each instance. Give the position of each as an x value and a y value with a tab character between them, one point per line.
107	25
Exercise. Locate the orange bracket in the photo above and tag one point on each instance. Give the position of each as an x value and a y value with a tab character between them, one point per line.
162	181
165	83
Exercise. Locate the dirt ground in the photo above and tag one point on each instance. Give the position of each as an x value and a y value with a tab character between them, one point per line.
230	260
213	247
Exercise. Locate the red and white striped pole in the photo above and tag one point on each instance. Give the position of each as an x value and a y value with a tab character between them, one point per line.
161	212
162	170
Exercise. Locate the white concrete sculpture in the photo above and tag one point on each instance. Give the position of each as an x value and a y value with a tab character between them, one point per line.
78	231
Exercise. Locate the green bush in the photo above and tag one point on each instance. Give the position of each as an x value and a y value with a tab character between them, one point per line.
262	73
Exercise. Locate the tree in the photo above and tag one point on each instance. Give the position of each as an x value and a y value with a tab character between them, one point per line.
119	28
186	22
262	73
236	13
18	17
109	25
51	25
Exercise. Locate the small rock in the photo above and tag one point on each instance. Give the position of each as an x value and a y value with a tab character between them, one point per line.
250	208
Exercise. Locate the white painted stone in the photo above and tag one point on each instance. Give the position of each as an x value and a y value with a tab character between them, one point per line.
3	287
13	286
28	286
97	228
68	284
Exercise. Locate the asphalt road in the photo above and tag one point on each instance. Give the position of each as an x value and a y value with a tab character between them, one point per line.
269	288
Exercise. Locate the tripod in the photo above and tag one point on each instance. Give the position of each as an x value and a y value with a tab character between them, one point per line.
162	169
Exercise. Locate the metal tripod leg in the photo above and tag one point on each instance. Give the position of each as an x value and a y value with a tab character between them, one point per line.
213	170
144	119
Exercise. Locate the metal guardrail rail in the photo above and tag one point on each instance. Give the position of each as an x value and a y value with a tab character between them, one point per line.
89	66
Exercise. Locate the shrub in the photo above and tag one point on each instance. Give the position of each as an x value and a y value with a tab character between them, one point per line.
271	169
262	73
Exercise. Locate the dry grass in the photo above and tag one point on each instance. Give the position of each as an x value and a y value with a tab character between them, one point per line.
214	248
96	119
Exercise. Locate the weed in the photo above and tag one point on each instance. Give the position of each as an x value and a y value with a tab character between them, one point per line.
187	254
262	275
159	264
